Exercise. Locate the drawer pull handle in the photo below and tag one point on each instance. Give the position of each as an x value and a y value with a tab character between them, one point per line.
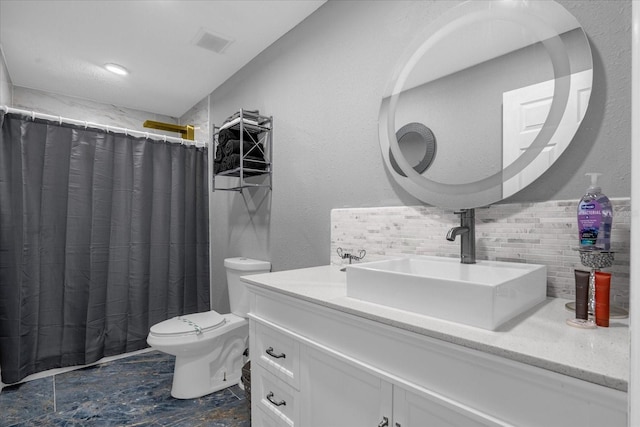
384	422
273	402
275	356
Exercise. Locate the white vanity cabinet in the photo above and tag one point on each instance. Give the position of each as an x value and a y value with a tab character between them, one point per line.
340	393
314	365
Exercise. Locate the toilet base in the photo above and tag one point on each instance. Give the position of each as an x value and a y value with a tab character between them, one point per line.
189	382
206	363
199	375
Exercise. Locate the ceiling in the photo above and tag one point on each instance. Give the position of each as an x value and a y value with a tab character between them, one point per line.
62	46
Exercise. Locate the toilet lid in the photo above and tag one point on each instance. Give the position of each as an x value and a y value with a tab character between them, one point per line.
189	323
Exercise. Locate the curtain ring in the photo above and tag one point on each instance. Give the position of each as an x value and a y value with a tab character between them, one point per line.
33	116
85	125
60	120
146	135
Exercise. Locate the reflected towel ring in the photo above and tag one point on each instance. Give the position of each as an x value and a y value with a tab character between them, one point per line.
420	138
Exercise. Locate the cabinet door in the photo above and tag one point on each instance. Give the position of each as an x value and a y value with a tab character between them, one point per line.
418	409
338	394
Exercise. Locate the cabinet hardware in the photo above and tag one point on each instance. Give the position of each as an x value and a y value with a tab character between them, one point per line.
270	399
398	425
384	422
270	352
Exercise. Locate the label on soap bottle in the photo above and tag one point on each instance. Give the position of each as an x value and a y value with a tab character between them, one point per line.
589	220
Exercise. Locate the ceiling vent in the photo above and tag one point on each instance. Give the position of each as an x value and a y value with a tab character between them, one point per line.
213	42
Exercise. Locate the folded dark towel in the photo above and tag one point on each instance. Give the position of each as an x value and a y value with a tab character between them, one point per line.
219	153
249	148
228	134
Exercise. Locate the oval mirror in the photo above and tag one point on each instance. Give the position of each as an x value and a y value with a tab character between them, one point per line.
502	86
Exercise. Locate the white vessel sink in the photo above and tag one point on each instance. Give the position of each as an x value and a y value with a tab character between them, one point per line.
485	294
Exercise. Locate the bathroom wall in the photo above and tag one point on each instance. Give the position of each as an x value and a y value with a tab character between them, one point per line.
323	82
87	110
107	114
6	89
537	233
198	116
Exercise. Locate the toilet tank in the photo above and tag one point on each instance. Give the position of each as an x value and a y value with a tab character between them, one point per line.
238	294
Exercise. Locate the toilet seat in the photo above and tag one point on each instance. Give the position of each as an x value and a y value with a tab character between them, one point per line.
189	324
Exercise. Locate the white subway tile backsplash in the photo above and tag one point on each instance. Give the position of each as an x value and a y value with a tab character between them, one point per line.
538	233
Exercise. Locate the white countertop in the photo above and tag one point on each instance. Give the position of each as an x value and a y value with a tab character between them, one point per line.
539	337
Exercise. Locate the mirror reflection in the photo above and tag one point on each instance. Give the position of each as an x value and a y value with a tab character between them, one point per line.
418	146
503	85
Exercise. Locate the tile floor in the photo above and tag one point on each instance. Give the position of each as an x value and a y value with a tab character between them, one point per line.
125	392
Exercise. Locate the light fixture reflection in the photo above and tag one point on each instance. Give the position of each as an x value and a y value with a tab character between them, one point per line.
116	69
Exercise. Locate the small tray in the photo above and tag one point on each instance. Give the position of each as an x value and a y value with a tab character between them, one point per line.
615	312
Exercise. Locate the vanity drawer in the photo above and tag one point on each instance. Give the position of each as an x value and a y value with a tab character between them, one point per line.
261	419
274	401
278	353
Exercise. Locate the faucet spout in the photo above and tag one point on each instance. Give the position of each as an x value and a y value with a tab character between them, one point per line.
455	232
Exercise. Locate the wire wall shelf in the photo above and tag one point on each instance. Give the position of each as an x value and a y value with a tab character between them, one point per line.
243	147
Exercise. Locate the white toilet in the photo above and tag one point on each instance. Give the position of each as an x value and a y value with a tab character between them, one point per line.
209	346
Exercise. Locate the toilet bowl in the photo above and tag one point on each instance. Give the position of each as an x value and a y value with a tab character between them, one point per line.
209	346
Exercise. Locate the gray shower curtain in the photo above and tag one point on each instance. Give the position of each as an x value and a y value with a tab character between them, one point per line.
101	236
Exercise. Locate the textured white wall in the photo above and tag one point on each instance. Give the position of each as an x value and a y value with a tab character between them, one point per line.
6	89
87	110
198	116
323	83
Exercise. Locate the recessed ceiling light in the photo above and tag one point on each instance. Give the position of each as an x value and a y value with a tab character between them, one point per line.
116	69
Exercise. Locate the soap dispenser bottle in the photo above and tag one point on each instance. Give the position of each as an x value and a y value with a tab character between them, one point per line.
595	217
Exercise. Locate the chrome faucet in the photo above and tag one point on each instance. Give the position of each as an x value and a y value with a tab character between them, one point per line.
467	233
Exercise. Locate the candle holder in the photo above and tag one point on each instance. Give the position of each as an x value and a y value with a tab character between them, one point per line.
595	260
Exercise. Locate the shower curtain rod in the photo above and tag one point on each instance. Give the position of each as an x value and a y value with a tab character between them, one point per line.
34	115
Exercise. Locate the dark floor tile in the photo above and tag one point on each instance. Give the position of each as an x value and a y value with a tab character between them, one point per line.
134	391
26	400
141	381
